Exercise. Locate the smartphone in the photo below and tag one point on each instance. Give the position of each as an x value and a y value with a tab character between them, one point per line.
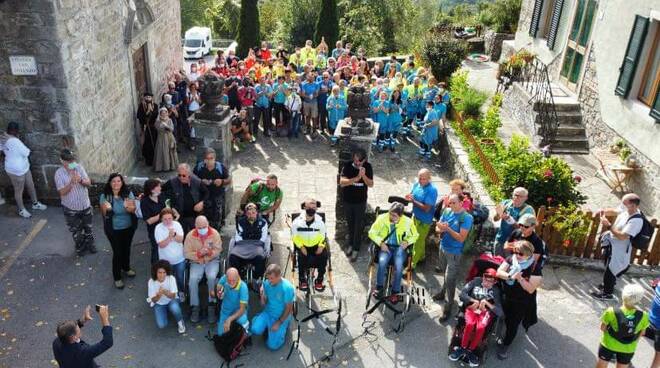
98	307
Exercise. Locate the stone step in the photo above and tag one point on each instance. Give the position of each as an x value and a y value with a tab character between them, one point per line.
567	130
564	105
569	151
578	142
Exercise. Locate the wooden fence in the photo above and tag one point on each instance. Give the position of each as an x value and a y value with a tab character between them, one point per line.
589	247
476	146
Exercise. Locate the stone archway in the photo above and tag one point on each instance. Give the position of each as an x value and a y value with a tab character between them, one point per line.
139	17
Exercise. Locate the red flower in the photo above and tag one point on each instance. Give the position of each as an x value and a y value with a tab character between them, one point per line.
550	200
548	173
577	178
568	242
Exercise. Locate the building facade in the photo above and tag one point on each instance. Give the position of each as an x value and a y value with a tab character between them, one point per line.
606	56
73	72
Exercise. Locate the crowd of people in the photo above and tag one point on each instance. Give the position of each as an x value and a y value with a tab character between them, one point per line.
288	93
306	92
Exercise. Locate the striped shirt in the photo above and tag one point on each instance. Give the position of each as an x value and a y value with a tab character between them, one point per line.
78	198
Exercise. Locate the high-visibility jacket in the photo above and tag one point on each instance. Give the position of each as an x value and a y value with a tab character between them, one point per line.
308	235
405	229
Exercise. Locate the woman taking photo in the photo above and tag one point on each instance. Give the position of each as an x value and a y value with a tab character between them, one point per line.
522	276
119	223
163	295
169	236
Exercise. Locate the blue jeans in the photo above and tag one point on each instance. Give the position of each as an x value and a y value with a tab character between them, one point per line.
294	128
263	321
196	271
400	256
179	270
160	311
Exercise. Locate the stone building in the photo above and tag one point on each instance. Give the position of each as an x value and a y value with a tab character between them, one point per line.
603	62
72	73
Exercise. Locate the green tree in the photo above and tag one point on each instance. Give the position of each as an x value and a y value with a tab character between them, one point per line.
501	15
226	18
327	24
196	13
443	54
248	27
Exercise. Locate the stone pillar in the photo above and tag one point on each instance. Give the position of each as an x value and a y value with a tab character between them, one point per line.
493	43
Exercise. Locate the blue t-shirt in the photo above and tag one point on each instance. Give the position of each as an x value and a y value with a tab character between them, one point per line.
380	116
323	96
277	297
280	96
233	297
440	109
308	88
428	195
456	221
654	315
121	219
506	229
264	100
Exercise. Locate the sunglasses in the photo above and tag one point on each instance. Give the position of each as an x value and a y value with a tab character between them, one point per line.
518	253
526	227
182	176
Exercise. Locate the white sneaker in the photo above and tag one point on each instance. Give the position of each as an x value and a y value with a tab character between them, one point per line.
39	206
24	213
182	297
182	327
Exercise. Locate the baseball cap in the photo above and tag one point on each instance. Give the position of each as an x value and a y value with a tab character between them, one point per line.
490	273
527	220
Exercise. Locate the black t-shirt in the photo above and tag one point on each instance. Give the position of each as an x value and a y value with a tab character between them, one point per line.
236	121
534	239
356	192
188	202
149	209
515	291
218	172
232	93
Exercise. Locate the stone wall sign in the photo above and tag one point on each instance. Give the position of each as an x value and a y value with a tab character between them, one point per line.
23	65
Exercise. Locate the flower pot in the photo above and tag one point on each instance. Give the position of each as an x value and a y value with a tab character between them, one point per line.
487	141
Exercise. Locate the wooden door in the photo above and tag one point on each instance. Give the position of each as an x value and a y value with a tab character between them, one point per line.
140	70
578	39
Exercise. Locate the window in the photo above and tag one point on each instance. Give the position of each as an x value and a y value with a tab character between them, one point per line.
651	73
578	39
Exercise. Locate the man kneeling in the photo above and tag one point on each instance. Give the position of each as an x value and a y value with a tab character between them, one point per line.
309	234
277	296
233	293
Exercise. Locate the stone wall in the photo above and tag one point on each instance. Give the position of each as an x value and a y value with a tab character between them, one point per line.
39	103
645	183
84	96
493	43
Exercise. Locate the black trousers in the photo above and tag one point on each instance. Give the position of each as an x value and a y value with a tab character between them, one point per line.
187	223
258	262
120	241
355	214
514	312
154	246
259	113
279	112
318	261
609	280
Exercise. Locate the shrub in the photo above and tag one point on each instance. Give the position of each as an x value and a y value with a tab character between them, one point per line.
470	102
443	54
474	126
571	223
501	15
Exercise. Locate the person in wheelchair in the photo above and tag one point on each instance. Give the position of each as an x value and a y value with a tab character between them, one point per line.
393	233
482	300
309	237
251	243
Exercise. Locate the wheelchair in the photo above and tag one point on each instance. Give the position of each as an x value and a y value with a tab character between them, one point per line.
408	295
311	291
247	271
481	264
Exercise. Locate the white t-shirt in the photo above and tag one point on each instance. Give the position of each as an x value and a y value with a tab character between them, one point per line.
169	284
622	249
16	157
173	252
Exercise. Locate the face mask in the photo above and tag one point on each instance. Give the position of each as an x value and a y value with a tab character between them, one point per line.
72	166
310	211
155	193
203	231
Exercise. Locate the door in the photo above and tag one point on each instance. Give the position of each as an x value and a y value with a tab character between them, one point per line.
140	71
578	39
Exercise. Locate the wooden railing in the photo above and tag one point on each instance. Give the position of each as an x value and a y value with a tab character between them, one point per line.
589	247
485	161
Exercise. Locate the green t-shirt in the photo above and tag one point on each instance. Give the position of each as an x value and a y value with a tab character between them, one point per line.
264	197
609	319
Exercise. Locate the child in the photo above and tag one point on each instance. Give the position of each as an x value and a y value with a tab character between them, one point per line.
336	106
622	328
380	109
429	131
483	300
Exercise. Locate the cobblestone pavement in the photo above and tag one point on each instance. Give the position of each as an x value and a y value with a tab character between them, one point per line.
42	282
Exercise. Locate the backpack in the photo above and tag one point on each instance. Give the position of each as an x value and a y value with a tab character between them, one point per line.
230	344
625	332
643	237
479	212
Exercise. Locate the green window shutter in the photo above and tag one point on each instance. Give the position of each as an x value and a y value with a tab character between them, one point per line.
655	108
536	18
635	45
554	23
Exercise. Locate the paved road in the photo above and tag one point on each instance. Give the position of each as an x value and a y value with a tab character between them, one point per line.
42	282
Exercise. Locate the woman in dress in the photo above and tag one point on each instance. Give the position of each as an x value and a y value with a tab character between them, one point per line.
166	158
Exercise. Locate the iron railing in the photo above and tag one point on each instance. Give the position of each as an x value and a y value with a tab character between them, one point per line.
534	78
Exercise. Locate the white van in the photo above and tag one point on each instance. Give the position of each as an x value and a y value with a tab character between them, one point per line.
197	43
